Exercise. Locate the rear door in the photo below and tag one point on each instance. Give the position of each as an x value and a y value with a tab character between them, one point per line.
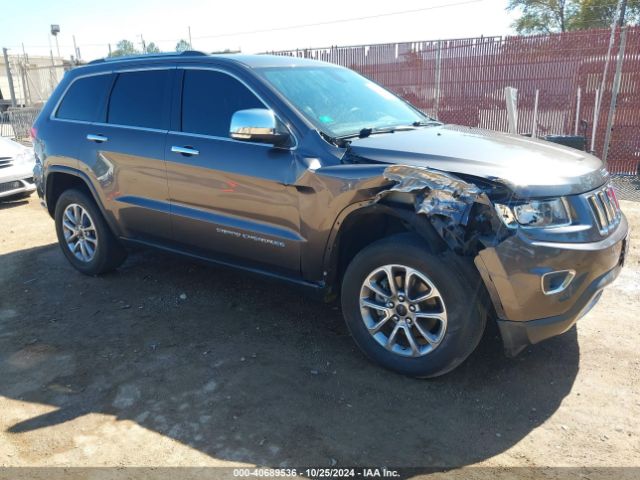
229	198
129	165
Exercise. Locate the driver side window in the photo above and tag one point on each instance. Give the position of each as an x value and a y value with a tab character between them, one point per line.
209	99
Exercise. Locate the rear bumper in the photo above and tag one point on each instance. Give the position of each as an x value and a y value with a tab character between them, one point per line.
513	272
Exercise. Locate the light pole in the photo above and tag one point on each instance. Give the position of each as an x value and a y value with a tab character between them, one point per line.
55	30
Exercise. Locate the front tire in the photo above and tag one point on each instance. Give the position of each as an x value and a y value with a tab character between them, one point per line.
84	236
410	310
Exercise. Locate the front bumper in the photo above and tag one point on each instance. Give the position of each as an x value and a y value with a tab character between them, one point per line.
16	179
513	270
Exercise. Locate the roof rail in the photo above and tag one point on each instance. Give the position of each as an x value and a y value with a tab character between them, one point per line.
186	53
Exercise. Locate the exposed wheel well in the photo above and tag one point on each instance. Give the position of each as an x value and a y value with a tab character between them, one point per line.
369	225
58	182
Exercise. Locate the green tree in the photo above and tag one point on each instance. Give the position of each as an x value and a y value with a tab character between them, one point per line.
548	16
182	45
600	13
152	48
124	47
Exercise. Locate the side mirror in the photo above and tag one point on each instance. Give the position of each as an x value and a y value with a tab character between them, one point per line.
257	125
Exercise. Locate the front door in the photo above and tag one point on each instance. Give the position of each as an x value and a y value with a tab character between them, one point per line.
229	199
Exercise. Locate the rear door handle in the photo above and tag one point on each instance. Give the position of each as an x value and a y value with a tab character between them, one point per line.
97	138
187	151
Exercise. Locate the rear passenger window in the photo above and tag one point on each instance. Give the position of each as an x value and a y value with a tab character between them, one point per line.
140	99
84	98
209	99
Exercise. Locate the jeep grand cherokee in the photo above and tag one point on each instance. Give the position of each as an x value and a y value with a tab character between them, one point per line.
313	174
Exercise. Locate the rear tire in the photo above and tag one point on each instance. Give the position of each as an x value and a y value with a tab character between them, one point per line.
84	236
445	327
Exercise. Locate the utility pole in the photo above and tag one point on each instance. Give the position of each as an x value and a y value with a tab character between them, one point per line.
190	44
144	45
11	90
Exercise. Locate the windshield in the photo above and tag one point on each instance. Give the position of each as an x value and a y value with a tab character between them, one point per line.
340	102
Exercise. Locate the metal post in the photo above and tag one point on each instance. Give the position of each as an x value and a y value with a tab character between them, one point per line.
511	98
190	44
595	120
23	79
57	46
578	110
23	71
614	95
437	79
76	50
612	37
109	49
535	116
52	72
9	78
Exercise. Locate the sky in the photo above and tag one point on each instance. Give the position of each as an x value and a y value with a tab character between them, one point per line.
252	26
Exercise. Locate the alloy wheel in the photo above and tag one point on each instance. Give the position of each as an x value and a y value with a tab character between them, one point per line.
403	310
79	232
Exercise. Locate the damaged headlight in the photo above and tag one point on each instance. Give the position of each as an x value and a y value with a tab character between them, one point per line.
535	213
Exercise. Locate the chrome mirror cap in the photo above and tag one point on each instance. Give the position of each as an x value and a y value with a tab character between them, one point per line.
257	125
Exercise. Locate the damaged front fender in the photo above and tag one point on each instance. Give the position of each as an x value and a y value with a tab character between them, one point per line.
460	211
440	193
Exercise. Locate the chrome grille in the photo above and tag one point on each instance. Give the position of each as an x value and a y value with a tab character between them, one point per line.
605	208
6	162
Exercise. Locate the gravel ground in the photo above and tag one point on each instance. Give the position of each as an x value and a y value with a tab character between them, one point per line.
170	363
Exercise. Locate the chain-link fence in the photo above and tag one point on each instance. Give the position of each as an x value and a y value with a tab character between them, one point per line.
16	123
462	81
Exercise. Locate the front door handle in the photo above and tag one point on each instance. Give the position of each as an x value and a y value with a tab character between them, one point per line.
186	151
97	138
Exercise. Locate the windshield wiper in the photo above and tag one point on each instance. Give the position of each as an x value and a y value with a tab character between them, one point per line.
420	123
343	140
368	131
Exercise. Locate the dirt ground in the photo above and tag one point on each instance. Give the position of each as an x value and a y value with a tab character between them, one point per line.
167	362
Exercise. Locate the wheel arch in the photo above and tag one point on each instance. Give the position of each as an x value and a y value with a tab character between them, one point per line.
362	224
61	178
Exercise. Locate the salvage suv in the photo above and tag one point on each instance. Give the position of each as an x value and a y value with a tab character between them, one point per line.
312	174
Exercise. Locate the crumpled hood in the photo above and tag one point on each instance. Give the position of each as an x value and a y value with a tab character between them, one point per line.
531	168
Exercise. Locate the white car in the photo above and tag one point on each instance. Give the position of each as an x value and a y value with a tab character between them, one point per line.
16	170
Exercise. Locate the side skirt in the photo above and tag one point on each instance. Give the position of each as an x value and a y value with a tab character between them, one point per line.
317	291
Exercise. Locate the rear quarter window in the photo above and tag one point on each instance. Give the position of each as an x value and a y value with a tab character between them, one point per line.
84	98
140	99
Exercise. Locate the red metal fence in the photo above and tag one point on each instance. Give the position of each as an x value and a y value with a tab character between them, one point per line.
462	81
